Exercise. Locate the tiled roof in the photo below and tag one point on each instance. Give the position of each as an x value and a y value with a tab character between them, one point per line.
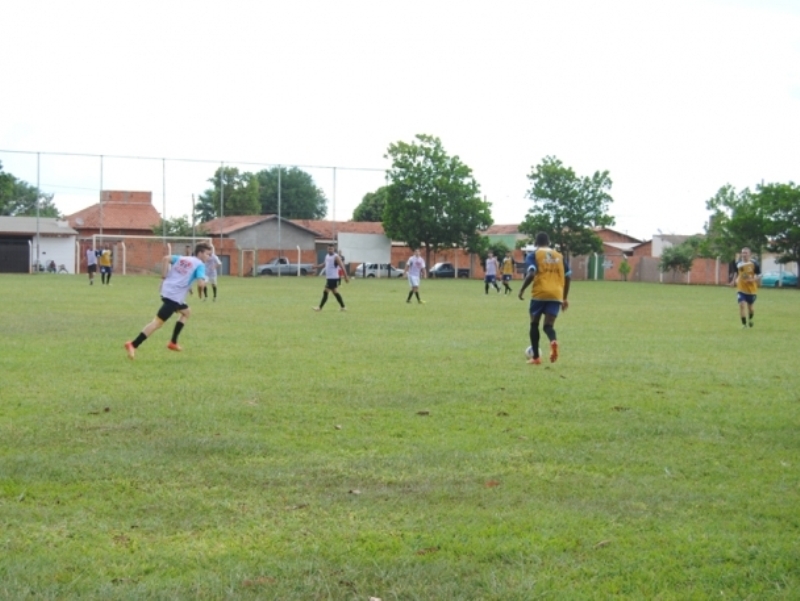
229	225
503	230
327	230
117	215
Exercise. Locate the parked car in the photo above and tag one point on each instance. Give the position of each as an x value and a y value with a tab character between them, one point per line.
284	267
377	270
775	279
447	270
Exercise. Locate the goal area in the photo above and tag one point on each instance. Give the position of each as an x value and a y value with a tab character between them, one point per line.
142	255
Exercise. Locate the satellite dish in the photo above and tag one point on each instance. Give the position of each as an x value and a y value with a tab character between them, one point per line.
79	221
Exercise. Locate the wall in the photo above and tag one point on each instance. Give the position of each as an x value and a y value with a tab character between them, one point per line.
265	234
59	249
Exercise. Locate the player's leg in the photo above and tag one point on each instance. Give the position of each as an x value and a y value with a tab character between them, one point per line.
743	310
164	313
324	300
550	331
338	297
751	312
185	313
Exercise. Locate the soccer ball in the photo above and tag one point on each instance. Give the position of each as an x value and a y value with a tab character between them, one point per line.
529	352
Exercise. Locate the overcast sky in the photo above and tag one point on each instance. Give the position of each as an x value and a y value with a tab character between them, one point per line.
674	99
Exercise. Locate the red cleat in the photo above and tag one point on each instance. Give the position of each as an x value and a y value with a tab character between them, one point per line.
536	361
554	351
130	349
174	347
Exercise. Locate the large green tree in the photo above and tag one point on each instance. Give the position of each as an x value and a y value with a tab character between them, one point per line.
781	204
372	205
567	207
239	192
300	196
737	219
18	198
432	198
176	226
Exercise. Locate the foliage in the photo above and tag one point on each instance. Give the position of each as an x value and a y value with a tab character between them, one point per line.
625	269
781	204
679	258
300	196
567	207
498	248
432	198
738	219
371	206
18	198
239	192
206	475
177	226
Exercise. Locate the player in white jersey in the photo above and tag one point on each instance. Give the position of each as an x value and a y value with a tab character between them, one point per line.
491	273
332	264
211	276
91	264
178	273
415	269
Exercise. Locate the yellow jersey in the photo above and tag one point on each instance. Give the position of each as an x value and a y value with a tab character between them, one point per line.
508	266
747	282
105	258
550	274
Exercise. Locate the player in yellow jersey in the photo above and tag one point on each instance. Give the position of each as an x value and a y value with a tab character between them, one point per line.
748	274
104	259
550	275
508	273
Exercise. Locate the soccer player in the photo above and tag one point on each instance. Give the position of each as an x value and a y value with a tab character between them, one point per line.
178	273
91	264
105	266
550	275
748	273
415	269
508	272
211	277
332	263
491	273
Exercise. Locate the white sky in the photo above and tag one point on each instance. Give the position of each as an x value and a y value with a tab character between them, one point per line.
675	99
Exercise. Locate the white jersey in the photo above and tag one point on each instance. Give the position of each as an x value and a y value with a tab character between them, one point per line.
91	257
491	266
415	266
185	270
211	265
331	268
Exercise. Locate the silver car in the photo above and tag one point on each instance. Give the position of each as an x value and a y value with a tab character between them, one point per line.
377	270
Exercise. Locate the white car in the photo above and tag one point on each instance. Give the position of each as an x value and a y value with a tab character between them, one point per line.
377	270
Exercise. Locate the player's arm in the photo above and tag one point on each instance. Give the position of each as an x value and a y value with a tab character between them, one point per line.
344	271
166	265
526	283
565	303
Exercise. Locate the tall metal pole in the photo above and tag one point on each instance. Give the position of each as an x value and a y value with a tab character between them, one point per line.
38	195
164	198
334	206
221	198
279	213
101	194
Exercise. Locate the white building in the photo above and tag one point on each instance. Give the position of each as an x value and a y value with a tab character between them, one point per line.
22	240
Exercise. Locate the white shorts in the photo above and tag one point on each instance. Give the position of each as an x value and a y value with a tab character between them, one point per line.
413	281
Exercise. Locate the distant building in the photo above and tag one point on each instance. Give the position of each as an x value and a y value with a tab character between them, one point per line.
19	241
121	213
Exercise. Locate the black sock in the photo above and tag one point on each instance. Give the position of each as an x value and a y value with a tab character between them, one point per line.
108	279
176	332
139	339
550	331
214	286
486	289
417	295
410	294
324	299
744	321
339	298
751	316
534	336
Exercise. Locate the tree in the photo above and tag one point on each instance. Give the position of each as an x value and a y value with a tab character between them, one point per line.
680	258
372	205
240	194
624	269
300	197
177	226
18	198
781	204
567	207
432	198
737	220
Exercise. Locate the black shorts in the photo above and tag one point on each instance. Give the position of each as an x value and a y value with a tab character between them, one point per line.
92	268
105	269
333	284
169	307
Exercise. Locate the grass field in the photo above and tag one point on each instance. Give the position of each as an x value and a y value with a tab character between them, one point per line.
397	451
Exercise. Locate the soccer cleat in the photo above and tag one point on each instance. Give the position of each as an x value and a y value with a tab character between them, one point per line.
317	309
535	361
422	302
174	346
343	309
553	351
130	349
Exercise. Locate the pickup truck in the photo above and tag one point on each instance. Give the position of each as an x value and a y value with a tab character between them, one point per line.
282	266
447	270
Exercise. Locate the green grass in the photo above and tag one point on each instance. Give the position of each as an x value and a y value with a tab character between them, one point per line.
397	451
